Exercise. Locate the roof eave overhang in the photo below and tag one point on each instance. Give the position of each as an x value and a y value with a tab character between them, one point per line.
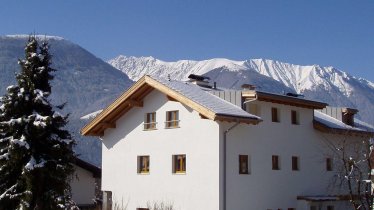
327	129
99	120
106	120
239	119
287	100
326	198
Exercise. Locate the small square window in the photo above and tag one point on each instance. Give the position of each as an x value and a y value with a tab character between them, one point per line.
243	164
294	117
274	114
179	164
143	164
328	164
295	163
172	119
275	162
150	121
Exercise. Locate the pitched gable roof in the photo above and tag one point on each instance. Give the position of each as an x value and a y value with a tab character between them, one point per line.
208	105
328	124
96	171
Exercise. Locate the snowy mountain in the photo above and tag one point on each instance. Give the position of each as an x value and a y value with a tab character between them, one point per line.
82	80
319	83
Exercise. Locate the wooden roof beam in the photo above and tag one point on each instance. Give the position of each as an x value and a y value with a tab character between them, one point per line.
106	125
133	102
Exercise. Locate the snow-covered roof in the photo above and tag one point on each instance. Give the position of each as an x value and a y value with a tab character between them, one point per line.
202	97
337	125
332	122
283	99
91	115
207	105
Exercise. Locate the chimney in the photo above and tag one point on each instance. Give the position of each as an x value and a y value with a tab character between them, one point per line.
215	85
348	115
199	80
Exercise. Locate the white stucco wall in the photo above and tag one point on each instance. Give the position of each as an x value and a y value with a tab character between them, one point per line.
265	188
83	186
196	137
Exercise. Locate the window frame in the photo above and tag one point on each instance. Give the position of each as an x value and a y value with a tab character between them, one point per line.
275	117
244	161
182	167
172	119
329	164
275	162
140	164
150	121
295	117
295	163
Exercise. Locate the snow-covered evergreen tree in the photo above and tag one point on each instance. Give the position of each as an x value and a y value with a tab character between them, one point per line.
35	150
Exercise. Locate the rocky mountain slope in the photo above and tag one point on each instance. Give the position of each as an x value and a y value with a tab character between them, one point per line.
319	83
82	80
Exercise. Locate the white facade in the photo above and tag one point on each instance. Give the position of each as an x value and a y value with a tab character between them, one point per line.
196	138
83	186
265	188
202	141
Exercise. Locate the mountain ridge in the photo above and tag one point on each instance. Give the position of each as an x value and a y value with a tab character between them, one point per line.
327	84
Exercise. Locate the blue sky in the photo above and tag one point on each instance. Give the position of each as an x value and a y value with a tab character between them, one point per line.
329	33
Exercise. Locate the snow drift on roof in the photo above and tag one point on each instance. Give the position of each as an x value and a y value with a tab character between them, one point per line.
205	99
332	122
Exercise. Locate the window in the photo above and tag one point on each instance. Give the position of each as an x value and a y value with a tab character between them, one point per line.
295	163
313	208
330	208
172	119
328	164
274	114
179	164
291	209
294	117
142	208
275	162
150	121
243	164
143	164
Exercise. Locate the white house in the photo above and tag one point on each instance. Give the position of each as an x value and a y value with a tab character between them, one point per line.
194	147
84	182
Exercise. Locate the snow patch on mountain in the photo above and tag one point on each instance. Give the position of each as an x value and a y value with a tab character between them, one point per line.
26	36
91	115
326	84
298	78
